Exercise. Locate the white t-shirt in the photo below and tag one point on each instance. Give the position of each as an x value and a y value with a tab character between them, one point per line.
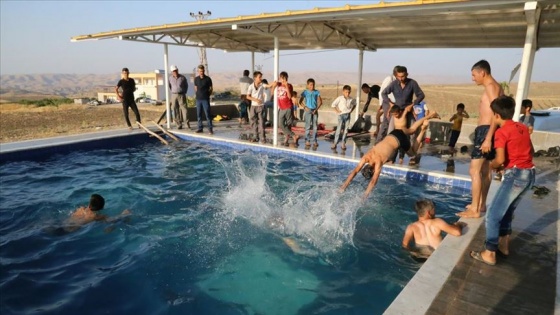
244	83
384	85
345	105
256	92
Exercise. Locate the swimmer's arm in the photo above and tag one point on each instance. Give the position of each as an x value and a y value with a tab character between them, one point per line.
408	237
453	229
123	215
352	175
373	181
465	114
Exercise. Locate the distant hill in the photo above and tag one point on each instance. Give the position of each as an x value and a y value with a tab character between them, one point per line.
87	85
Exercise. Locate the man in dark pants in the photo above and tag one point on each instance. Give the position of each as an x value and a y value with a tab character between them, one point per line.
203	89
128	86
403	89
179	87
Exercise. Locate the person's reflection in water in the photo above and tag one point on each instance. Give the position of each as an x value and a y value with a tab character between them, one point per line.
450	167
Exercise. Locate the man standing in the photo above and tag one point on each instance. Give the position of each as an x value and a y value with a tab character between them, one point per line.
403	89
481	177
383	125
244	82
203	89
179	87
372	92
128	86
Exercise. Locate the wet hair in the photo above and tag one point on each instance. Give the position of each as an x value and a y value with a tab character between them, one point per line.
246	73
346	88
367	171
265	81
256	74
365	85
503	106
294	94
422	206
400	69
96	202
482	65
284	74
310	80
124	69
527	103
461	106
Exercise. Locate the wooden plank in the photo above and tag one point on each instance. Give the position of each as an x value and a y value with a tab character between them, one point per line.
165	131
152	133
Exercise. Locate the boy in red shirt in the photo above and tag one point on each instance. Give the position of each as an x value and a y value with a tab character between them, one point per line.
284	92
514	154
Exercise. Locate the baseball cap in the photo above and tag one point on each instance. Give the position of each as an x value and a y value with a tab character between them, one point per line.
173	68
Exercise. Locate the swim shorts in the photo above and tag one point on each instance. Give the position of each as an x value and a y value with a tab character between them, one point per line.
479	136
402	139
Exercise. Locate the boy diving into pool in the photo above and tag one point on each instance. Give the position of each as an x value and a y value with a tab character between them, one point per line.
383	151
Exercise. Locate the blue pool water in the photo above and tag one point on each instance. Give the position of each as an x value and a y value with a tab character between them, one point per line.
206	235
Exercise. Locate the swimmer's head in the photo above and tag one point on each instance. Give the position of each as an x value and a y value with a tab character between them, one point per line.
425	206
367	171
96	202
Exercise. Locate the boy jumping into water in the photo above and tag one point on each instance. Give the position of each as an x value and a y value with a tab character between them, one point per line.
426	232
387	148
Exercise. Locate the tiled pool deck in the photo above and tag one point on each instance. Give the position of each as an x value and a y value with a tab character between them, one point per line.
450	282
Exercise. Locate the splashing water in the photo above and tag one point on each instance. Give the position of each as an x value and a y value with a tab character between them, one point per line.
312	213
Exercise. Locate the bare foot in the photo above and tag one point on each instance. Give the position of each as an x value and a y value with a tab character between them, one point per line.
469	208
468	214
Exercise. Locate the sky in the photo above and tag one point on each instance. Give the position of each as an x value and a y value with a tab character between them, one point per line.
35	39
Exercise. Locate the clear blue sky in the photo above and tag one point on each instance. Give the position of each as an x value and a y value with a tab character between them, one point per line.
35	38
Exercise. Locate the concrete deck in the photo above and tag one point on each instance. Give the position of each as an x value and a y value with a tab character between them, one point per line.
450	282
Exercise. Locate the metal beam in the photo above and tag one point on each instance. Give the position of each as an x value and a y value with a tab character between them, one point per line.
532	13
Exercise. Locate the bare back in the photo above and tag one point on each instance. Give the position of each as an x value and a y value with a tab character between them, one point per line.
492	90
427	233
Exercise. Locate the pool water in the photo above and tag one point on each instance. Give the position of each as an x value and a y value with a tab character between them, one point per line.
208	234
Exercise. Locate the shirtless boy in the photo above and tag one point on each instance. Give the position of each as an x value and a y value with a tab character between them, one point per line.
384	150
483	152
426	232
85	215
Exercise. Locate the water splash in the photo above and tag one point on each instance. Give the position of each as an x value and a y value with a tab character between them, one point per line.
312	212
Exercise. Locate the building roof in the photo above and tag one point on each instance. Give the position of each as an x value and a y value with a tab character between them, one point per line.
413	24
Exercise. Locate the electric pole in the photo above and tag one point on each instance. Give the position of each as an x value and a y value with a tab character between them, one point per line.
202	50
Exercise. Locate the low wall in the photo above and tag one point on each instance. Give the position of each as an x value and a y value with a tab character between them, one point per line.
439	131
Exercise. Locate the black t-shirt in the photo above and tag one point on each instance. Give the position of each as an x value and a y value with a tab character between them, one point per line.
128	88
203	86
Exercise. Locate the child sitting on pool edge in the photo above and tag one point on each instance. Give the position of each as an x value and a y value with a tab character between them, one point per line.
426	232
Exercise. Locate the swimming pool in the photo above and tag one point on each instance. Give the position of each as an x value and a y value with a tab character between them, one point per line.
206	235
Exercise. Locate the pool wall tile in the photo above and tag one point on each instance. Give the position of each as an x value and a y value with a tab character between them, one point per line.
460	183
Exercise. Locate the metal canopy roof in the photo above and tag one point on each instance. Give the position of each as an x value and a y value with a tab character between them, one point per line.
415	24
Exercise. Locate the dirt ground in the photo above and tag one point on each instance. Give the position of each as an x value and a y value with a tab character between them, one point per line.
24	122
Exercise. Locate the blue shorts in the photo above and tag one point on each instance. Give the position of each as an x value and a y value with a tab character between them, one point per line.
479	136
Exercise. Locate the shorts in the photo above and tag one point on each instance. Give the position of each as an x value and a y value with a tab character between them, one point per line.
479	136
402	139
